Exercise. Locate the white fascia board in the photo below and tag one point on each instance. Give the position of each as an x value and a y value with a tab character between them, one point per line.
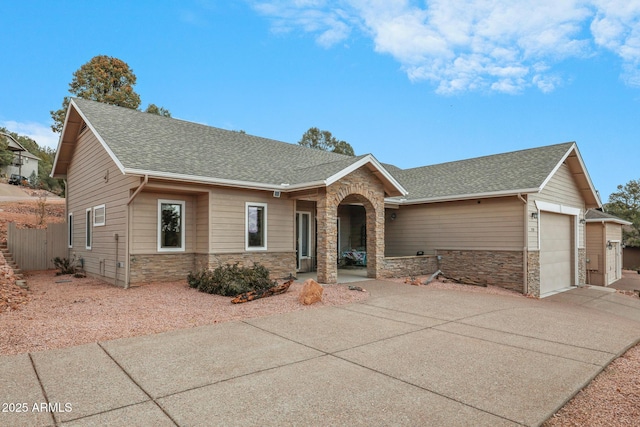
363	161
463	197
555	169
222	182
64	126
586	174
573	147
557	208
98	137
613	220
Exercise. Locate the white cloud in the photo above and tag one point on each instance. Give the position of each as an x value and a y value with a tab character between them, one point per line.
42	134
460	45
616	27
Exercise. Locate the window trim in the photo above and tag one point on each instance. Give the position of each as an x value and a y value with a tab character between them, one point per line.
88	227
104	215
248	205
70	230
183	228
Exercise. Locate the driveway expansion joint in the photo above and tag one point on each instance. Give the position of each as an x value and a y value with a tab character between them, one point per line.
137	384
44	392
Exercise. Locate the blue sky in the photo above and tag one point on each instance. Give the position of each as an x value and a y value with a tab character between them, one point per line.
413	82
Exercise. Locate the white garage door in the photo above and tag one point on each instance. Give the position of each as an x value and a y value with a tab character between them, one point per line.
555	252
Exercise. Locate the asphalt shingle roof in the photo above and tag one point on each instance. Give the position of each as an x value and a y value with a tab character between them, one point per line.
599	215
517	170
150	142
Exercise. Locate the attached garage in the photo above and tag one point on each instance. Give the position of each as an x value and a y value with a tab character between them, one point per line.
556	252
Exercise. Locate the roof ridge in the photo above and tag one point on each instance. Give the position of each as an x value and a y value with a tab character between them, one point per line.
208	127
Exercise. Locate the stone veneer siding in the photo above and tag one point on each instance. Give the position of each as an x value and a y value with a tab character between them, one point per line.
279	264
498	268
368	190
533	273
408	266
582	266
160	267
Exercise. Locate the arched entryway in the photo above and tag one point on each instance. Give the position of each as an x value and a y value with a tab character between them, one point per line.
361	188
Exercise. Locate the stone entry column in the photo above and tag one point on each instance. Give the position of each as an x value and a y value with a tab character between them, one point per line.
363	187
375	238
327	216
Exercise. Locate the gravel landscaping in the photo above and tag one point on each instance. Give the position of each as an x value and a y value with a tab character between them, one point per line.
63	311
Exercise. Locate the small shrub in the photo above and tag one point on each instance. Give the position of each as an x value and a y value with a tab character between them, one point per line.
231	280
65	265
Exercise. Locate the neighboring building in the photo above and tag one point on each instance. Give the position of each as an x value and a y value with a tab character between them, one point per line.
604	247
152	198
24	163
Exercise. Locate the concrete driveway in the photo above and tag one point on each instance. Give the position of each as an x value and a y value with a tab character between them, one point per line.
406	356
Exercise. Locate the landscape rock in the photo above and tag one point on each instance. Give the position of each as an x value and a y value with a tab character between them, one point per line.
311	292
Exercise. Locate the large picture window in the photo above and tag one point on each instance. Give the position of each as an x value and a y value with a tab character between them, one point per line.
256	226
171	231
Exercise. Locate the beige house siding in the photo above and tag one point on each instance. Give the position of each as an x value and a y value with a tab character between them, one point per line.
202	223
227	222
560	190
93	179
614	255
484	224
603	262
595	266
144	221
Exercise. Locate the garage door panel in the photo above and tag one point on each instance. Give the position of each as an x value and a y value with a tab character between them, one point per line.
555	252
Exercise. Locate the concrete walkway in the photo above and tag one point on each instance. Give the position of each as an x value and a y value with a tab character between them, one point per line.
406	356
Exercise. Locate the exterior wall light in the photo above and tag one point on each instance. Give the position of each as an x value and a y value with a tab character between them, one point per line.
534	215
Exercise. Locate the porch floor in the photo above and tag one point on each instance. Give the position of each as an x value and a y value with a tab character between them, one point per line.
345	275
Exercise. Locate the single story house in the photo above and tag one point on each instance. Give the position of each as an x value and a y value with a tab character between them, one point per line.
604	247
151	198
24	163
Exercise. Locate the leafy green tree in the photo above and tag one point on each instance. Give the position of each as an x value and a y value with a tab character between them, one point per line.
625	204
103	79
161	111
323	140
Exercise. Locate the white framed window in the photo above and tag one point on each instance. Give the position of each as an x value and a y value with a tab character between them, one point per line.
88	228
70	230
99	216
171	231
255	226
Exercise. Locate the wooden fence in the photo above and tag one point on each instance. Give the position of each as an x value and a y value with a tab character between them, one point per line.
34	249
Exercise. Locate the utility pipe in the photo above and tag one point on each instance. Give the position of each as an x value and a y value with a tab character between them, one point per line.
139	189
145	181
525	250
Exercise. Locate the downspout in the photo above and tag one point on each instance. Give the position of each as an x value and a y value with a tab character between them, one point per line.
525	250
66	208
144	182
605	264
